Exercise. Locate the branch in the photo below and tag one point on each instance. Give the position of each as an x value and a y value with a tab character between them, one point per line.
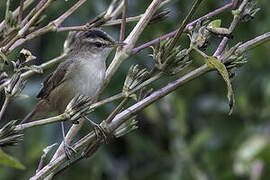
41	122
211	14
116	110
253	43
20	12
235	21
4	106
60	20
131	40
123	23
180	30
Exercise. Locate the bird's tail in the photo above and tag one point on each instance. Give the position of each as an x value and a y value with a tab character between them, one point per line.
42	110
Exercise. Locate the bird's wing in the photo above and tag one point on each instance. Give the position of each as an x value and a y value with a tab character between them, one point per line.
54	79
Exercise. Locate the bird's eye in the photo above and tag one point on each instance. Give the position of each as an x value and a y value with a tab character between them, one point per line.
98	44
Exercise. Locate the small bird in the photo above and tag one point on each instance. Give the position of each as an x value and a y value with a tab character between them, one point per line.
81	73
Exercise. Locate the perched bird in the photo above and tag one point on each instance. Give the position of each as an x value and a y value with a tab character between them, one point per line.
81	73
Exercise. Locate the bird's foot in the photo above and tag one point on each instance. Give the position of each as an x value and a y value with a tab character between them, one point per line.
100	133
68	150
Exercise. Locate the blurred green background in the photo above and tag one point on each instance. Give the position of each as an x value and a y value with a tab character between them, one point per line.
187	134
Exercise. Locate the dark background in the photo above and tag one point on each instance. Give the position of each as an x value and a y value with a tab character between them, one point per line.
187	134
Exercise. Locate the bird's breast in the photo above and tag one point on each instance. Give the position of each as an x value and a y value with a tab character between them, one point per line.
88	80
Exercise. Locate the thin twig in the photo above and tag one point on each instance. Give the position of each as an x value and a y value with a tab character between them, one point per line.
43	157
41	162
33	11
180	30
208	15
116	110
7	10
3	109
20	12
59	20
123	23
119	21
61	117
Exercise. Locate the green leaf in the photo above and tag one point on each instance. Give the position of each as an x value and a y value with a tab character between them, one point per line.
8	160
214	63
215	24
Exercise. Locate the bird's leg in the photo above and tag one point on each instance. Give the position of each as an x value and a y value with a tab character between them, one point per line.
67	148
99	131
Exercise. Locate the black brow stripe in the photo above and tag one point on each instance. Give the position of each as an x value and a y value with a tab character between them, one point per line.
97	33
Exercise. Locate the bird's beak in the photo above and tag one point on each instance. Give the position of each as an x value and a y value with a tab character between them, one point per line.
118	43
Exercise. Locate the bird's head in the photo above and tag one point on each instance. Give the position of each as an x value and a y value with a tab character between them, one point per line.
94	40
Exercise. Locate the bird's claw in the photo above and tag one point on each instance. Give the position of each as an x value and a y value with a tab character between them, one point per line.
99	131
69	150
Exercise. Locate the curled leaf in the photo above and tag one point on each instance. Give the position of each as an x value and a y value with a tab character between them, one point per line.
214	63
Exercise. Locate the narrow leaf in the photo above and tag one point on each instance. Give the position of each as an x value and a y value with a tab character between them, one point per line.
214	63
8	160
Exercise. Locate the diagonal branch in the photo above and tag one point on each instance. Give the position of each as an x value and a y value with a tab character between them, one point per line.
131	40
